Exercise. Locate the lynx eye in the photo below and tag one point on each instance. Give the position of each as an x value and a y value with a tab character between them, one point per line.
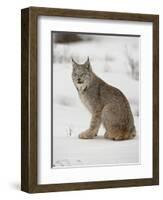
74	73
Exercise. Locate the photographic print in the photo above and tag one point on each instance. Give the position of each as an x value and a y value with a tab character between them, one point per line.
95	99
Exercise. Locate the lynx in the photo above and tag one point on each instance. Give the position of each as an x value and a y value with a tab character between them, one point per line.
107	104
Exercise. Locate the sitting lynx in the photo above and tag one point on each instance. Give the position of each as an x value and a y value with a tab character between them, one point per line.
107	104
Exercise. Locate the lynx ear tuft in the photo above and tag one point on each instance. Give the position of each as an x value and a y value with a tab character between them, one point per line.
73	62
87	63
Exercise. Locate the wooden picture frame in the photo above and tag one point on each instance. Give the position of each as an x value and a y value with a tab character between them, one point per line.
29	110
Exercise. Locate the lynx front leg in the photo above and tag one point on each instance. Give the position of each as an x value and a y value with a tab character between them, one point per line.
94	127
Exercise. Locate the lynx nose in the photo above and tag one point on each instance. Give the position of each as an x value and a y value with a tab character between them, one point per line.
79	80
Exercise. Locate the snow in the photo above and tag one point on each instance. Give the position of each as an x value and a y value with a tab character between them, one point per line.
109	61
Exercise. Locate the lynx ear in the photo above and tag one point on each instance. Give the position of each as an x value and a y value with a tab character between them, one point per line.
74	64
87	63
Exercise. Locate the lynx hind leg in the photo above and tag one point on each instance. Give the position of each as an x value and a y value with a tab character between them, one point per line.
115	129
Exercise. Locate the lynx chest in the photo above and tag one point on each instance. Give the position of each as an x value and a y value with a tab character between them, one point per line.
86	100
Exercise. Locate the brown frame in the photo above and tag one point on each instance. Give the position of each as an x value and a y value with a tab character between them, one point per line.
29	99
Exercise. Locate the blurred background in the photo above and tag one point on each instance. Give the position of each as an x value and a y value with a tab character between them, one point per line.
114	58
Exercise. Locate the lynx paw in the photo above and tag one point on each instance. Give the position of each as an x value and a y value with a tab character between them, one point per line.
114	137
87	135
118	135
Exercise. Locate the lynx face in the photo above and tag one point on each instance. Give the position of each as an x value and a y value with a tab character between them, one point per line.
81	75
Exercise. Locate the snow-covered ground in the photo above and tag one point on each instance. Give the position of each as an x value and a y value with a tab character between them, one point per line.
109	57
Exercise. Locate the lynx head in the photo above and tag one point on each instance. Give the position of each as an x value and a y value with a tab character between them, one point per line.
82	75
